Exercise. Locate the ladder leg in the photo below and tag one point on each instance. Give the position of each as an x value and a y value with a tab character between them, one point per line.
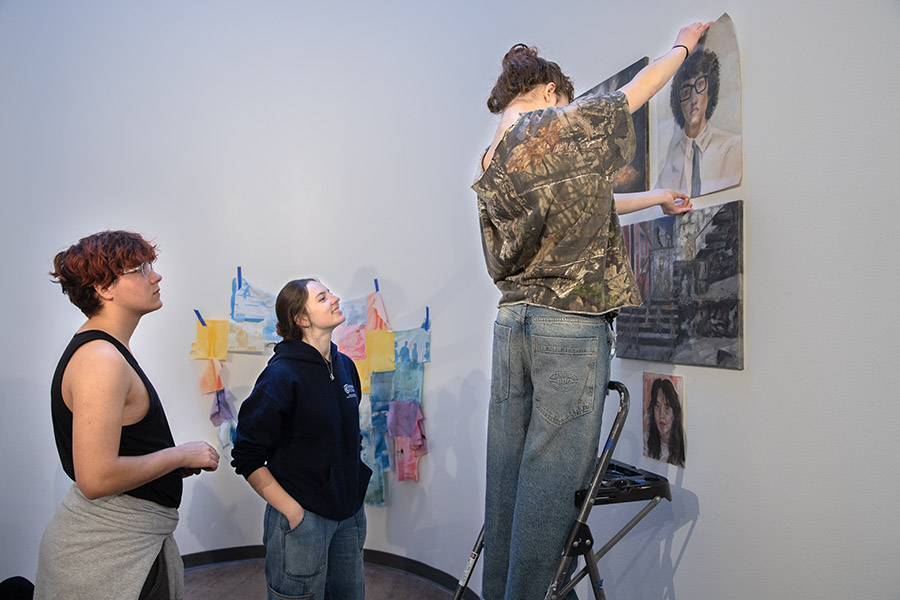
463	583
553	592
596	581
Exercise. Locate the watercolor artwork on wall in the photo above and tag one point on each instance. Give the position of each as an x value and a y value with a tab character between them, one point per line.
391	366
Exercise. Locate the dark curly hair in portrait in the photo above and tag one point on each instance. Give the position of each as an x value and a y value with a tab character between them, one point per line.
676	432
703	62
523	69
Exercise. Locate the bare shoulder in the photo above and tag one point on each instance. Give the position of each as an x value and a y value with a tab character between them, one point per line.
97	354
97	368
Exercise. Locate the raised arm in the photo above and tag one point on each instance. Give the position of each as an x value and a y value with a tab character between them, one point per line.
97	382
670	201
654	76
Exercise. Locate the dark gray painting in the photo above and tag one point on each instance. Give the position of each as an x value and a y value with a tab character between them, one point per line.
635	176
689	269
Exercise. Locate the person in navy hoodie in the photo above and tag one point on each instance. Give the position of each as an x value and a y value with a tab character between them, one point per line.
298	445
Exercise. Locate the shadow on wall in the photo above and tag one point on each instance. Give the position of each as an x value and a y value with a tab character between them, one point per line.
456	487
643	564
220	509
216	524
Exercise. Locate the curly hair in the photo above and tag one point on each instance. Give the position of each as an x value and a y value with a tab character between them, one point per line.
703	62
523	70
98	260
676	433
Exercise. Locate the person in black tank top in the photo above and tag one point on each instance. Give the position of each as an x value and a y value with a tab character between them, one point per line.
111	430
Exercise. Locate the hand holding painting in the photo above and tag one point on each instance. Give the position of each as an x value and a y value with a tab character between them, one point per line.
639	90
534	99
690	35
654	76
674	203
670	201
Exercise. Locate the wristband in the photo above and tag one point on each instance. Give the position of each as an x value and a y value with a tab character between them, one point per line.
686	51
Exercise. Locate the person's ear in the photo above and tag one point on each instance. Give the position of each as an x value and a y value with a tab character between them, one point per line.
302	320
550	92
104	291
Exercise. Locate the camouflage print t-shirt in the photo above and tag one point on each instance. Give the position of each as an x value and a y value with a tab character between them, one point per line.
549	227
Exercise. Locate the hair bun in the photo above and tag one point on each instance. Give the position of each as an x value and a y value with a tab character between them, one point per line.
517	53
522	70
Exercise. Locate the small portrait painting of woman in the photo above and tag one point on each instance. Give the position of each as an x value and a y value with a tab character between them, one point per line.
664	418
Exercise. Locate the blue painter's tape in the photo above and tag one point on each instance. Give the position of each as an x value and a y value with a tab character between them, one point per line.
239	278
609	445
199	318
376	285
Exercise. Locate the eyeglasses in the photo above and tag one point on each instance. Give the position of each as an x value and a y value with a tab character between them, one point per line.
145	268
698	86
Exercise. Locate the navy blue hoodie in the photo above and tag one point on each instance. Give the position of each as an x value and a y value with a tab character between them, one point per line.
304	427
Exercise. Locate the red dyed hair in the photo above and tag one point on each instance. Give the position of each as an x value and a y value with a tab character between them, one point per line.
98	259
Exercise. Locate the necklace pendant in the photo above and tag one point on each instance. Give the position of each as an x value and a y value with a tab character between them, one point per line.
331	375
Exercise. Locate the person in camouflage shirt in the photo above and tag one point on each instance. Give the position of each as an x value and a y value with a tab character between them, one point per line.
553	246
550	232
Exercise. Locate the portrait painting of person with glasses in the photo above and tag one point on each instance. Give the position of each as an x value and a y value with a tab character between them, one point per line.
701	156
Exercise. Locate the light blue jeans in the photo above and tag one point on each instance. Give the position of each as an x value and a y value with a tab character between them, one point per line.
548	385
319	559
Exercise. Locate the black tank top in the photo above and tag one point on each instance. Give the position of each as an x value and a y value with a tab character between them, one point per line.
148	435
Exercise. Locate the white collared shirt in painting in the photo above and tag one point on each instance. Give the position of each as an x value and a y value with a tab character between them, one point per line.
721	161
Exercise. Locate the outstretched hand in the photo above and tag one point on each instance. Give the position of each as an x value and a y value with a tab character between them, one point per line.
690	35
675	203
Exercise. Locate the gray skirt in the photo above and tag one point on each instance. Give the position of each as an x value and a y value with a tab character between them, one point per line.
105	548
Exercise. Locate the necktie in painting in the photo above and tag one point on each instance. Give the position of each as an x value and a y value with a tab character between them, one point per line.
695	170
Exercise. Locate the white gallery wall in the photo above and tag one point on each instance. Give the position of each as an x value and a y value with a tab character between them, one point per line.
339	139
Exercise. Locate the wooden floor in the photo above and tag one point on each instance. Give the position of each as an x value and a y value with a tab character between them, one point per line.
246	580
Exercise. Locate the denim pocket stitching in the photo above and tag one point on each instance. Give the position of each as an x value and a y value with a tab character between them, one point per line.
287	597
542	343
564	376
294	537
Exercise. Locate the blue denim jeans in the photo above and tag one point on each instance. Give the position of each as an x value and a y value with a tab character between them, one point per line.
319	559
548	385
